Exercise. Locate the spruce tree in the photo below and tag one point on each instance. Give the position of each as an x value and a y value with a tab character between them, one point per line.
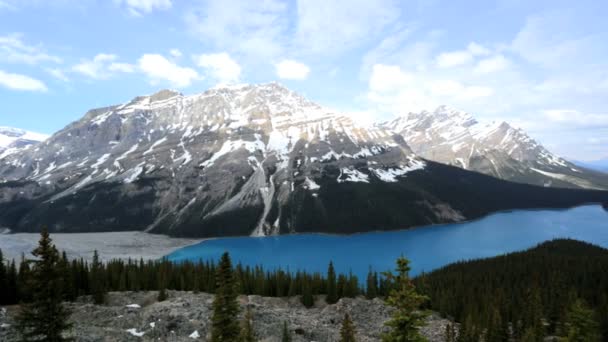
247	334
286	337
407	317
307	298
450	333
98	284
4	300
347	332
581	324
224	322
45	318
372	287
332	291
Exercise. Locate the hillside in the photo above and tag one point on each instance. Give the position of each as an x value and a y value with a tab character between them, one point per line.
540	283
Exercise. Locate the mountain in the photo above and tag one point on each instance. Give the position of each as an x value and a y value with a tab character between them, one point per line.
14	139
242	160
600	165
454	137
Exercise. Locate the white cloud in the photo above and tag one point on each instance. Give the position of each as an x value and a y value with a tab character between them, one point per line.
58	74
14	50
21	82
158	68
491	64
387	78
331	27
575	118
219	66
139	7
175	53
292	70
395	91
102	66
252	28
452	59
478	50
462	57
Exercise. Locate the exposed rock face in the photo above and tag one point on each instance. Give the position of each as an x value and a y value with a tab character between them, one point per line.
454	137
186	314
243	160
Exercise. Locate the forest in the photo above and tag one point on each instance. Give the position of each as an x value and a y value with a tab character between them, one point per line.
548	290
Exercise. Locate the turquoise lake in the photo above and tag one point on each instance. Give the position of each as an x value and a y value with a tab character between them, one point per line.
427	247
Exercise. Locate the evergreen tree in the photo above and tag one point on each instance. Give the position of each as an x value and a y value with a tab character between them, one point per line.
225	326
24	280
450	333
12	287
45	318
581	324
332	291
247	334
98	284
468	331
407	318
347	332
307	298
3	281
372	285
286	334
496	331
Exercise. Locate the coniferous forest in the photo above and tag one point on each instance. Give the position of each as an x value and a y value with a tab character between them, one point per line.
559	288
544	291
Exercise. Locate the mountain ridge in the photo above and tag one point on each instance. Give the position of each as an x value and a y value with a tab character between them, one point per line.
498	149
242	160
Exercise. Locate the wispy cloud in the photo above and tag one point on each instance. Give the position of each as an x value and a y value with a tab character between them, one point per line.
102	66
253	28
14	50
140	7
220	67
20	82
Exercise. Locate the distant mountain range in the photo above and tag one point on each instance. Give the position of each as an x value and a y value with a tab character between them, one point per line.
263	160
14	139
598	165
454	137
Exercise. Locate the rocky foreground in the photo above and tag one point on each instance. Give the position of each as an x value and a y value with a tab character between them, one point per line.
185	316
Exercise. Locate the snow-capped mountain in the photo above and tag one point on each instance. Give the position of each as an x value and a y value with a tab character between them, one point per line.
454	137
239	160
14	139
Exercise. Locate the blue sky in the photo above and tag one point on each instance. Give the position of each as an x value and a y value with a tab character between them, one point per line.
540	65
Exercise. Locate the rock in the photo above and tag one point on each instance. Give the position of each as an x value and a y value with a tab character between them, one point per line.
186	316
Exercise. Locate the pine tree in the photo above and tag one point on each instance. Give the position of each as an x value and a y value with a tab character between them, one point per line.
581	324
407	318
496	331
4	300
347	332
372	285
247	334
307	298
332	291
286	337
12	287
225	326
450	333
45	317
98	284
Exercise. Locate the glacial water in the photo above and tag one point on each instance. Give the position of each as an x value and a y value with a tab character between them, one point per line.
427	247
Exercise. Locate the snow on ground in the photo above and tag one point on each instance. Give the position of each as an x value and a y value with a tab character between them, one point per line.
109	245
